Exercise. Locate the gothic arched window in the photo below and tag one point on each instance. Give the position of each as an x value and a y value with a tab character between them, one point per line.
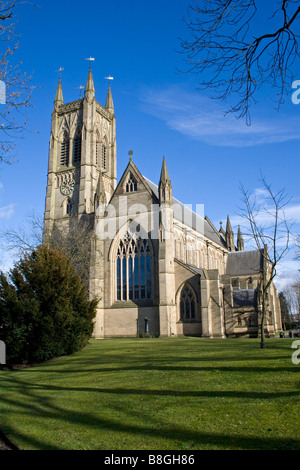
187	304
69	206
133	269
131	184
64	149
77	148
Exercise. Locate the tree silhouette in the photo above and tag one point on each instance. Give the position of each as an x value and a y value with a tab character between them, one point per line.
233	54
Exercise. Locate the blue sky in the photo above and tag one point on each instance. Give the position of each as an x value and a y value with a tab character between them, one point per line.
158	109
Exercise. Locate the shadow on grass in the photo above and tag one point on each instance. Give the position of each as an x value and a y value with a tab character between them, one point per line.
44	406
167	368
13	384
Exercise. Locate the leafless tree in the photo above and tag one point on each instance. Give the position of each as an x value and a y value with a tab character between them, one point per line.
237	46
74	242
15	85
270	230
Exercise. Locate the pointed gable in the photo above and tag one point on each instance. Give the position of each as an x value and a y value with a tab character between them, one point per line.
132	181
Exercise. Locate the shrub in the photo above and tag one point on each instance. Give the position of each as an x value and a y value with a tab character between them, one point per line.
44	310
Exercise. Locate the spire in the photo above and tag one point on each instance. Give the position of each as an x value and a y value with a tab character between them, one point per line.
228	225
89	92
59	94
165	186
240	241
229	236
109	101
164	176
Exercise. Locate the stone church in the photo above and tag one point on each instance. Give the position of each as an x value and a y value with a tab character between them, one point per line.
157	267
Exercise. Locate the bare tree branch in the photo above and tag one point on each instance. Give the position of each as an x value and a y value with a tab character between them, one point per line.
229	57
15	85
74	242
268	227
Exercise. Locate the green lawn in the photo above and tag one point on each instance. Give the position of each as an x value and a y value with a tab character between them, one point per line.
157	394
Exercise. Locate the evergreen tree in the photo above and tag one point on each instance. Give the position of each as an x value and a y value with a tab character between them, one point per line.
44	311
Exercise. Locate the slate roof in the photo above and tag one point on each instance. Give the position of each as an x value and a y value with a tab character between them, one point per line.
185	215
241	263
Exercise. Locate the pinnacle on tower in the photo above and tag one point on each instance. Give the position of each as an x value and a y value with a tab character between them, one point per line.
89	92
59	94
109	101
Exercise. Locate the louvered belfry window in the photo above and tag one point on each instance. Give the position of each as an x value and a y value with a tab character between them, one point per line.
77	148
64	150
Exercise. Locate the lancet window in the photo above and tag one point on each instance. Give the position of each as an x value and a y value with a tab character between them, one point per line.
187	304
69	206
131	184
133	269
77	148
64	149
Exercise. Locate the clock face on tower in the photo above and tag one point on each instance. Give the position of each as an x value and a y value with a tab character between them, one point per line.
67	187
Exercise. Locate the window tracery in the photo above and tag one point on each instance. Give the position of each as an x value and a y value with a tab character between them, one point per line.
187	304
133	269
131	184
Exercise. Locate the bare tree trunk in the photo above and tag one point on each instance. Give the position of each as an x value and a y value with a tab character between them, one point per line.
268	237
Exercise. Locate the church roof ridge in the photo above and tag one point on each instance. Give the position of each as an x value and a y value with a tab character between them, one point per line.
208	231
241	253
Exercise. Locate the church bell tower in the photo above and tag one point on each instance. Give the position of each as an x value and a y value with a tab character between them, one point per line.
82	153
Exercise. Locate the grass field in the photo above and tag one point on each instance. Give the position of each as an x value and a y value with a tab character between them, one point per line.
157	394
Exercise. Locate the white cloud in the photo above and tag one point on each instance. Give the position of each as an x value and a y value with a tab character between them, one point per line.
7	262
287	273
204	119
7	211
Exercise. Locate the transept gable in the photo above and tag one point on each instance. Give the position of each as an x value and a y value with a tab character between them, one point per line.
132	181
